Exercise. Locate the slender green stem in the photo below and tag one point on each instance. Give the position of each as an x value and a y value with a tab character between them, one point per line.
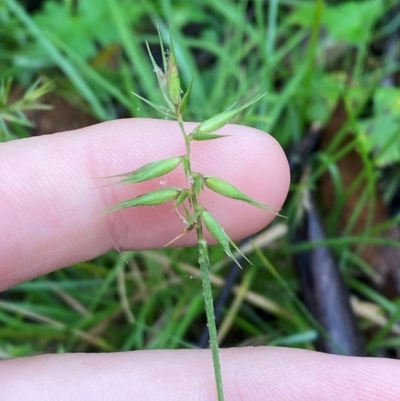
205	270
208	301
187	142
187	198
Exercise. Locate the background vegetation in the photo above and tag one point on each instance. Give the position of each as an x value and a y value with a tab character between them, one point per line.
320	63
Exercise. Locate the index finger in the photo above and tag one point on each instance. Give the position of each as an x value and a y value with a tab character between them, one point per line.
51	197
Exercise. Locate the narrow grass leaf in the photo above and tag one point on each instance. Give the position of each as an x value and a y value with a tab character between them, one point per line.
226	189
91	74
152	198
219	120
205	137
149	171
164	59
220	235
57	57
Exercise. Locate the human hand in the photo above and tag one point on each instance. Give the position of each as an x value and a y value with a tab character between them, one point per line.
49	220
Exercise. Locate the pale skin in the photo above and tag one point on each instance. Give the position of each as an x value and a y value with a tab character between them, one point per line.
50	219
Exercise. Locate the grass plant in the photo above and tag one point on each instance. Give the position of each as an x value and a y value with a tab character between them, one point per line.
186	200
12	112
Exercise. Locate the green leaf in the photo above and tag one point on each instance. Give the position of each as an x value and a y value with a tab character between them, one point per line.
352	21
226	189
150	171
205	136
218	121
380	133
220	235
164	59
153	198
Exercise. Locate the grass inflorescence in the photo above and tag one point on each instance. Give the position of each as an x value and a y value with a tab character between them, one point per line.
186	200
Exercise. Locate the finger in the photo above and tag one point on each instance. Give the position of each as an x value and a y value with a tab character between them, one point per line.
255	374
52	195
